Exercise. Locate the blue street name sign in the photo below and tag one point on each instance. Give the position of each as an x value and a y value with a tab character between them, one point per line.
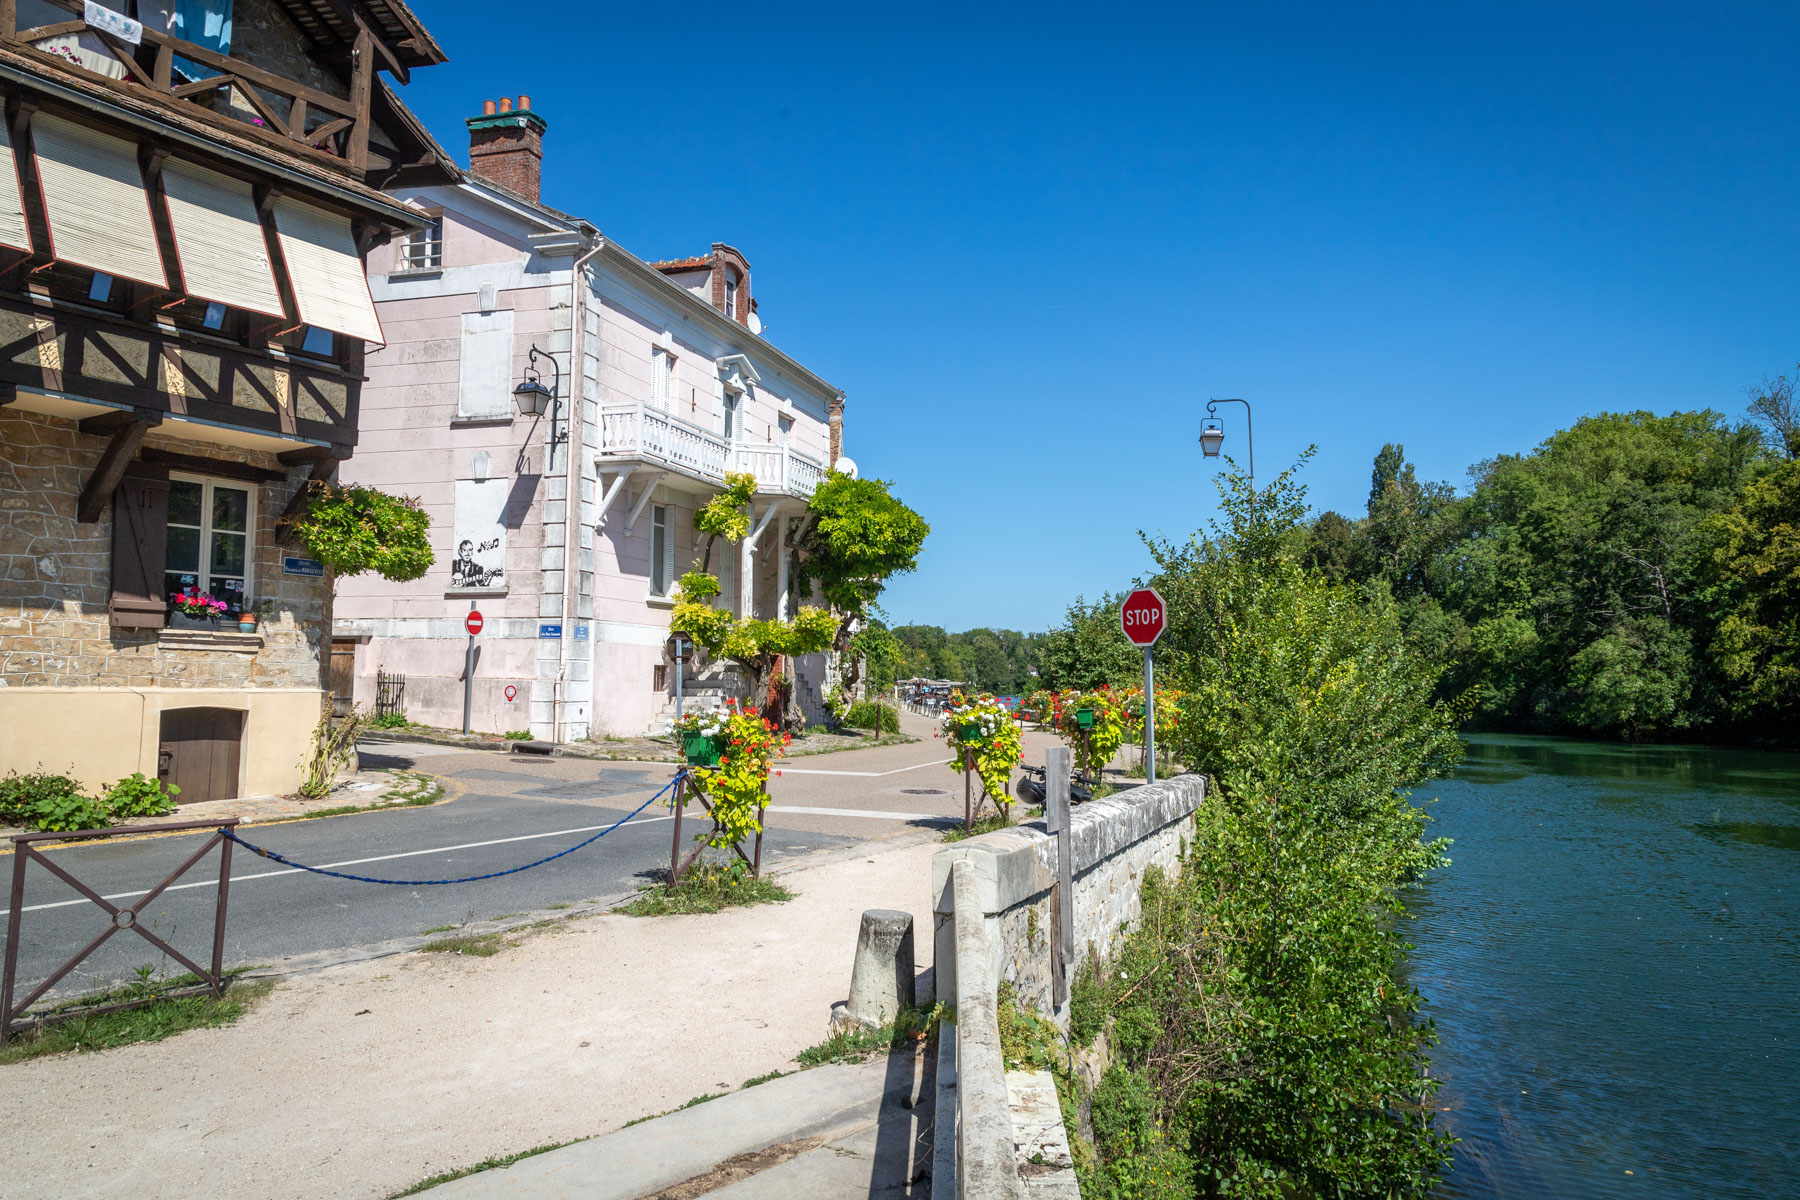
550	631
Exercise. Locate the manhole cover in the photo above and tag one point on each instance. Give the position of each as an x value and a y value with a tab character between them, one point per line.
923	792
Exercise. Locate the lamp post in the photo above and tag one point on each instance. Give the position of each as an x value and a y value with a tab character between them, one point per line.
1212	434
533	398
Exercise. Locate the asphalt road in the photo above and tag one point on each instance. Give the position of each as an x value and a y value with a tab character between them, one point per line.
503	811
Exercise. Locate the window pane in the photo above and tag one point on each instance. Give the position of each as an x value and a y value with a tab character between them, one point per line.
183	553
227	554
659	533
231	591
215	316
100	290
231	508
318	341
184	502
176	581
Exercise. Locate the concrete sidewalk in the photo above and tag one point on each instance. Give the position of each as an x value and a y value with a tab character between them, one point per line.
361	1080
819	1135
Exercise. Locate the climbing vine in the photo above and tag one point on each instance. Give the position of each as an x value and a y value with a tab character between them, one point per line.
1103	739
355	529
985	729
739	786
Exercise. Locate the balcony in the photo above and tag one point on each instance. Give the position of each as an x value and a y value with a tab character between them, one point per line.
637	433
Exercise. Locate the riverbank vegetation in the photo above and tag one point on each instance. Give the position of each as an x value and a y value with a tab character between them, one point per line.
1261	1038
1633	576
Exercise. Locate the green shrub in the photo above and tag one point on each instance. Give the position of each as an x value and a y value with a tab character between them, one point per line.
864	716
137	795
517	735
1124	1114
50	803
393	720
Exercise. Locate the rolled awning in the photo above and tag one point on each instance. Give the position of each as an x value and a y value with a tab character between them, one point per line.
94	200
326	270
13	230
219	239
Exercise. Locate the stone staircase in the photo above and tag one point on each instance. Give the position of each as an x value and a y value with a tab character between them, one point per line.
706	692
810	674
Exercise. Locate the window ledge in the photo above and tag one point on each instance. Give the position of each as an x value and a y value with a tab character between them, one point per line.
416	273
449	592
473	422
209	639
660	601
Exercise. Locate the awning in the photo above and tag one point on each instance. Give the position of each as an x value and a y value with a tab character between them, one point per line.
326	270
13	230
219	238
95	201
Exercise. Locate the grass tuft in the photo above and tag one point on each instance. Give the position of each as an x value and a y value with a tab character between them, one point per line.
150	1023
478	945
856	1045
486	1164
987	824
706	888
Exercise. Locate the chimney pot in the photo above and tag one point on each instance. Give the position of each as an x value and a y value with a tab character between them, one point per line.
524	103
508	152
506	104
487	108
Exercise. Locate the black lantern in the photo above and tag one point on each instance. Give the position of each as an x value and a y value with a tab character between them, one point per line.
532	397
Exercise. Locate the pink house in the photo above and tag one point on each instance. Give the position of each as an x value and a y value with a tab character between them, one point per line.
566	527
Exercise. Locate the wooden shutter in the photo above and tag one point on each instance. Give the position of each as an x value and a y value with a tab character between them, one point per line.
326	270
484	383
95	201
13	231
140	540
219	238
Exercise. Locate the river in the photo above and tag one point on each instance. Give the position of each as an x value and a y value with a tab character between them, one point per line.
1613	964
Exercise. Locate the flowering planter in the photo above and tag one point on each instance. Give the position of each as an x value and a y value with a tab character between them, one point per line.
702	751
1084	718
969	733
180	620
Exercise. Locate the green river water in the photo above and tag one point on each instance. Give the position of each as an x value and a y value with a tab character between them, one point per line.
1613	964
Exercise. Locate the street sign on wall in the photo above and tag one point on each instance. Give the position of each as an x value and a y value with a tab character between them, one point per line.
1143	616
473	622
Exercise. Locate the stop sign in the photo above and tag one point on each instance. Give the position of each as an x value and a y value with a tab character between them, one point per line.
472	622
1144	616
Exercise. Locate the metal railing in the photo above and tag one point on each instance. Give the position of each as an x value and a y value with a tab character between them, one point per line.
13	1018
645	432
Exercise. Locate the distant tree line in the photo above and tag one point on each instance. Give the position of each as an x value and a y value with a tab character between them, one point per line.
990	660
1633	576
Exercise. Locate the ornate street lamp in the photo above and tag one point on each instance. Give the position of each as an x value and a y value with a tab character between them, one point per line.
534	399
1212	433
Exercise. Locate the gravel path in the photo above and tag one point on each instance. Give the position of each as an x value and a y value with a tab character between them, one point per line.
360	1080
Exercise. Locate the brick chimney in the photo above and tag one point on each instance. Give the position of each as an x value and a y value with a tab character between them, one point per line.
506	146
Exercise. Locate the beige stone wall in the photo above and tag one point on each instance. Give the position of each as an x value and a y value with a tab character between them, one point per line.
55	580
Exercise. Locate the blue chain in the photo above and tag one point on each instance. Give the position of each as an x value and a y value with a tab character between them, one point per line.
288	862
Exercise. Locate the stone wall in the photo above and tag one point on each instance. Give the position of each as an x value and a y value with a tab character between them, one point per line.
1114	842
80	696
55	579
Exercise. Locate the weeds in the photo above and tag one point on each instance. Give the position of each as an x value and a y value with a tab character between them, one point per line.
151	1022
987	824
334	747
486	1164
857	1044
476	945
706	888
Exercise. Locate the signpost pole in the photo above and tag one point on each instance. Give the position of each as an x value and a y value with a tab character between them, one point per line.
469	674
680	647
1149	720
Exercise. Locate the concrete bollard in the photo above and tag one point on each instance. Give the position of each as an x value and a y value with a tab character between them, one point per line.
881	982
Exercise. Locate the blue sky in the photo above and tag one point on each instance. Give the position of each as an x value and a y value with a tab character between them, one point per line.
1030	242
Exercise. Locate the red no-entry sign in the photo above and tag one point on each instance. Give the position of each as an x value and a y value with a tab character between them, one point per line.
1144	616
472	622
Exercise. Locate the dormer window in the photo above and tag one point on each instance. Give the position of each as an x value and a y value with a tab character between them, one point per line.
423	249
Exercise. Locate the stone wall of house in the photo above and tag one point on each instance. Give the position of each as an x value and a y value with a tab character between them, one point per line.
55	579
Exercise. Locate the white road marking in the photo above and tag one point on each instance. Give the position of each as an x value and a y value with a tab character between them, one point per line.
872	813
864	774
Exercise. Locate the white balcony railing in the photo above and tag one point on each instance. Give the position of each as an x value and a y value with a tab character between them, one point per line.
639	432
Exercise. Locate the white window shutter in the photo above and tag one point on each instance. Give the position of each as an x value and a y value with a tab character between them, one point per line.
94	198
219	238
659	378
326	270
484	385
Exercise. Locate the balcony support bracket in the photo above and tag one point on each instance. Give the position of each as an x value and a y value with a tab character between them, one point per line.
612	493
637	510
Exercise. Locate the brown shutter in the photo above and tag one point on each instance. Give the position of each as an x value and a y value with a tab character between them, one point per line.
140	546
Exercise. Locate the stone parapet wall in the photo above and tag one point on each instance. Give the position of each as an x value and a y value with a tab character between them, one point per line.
1113	841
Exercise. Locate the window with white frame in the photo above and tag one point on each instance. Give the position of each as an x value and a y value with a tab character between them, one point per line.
662	551
211	539
730	428
661	378
423	249
731	297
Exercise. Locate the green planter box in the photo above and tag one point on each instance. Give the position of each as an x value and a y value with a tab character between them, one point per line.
701	751
970	732
1084	718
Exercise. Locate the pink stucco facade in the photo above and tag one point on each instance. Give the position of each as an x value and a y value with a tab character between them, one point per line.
548	526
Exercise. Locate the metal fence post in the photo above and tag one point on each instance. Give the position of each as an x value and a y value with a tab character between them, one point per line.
12	940
1056	823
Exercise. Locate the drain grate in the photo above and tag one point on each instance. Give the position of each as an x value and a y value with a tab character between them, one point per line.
923	792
